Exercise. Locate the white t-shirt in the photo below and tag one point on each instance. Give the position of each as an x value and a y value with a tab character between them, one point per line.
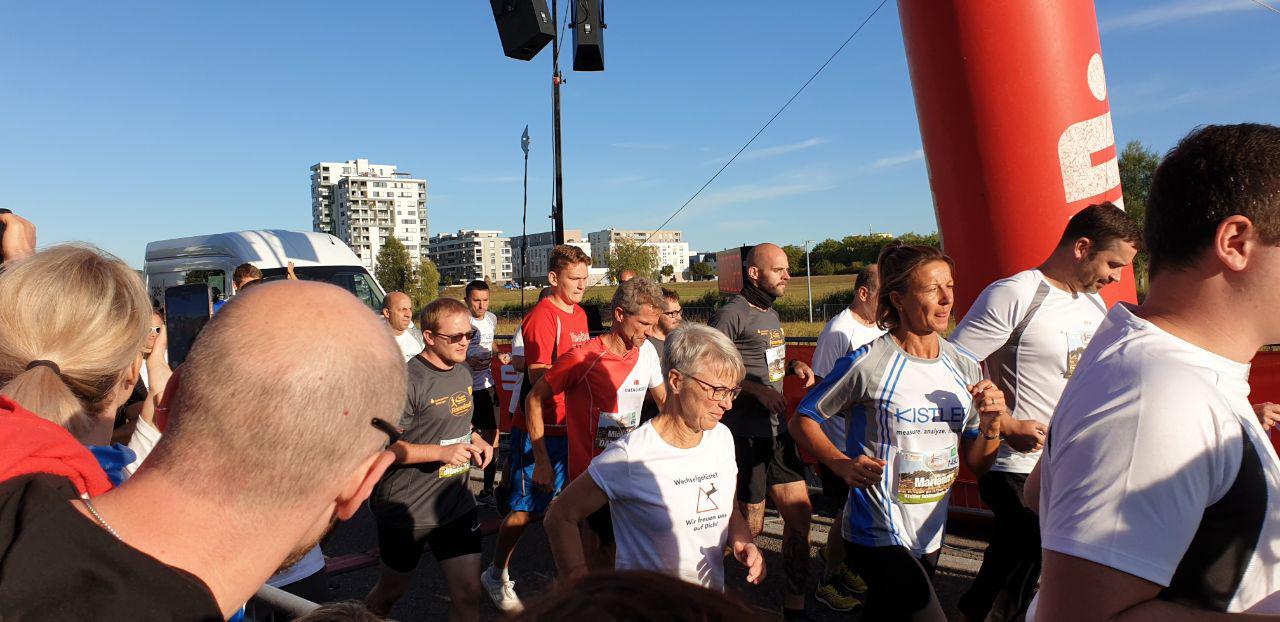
482	346
1031	335
842	334
1157	466
144	439
670	506
410	342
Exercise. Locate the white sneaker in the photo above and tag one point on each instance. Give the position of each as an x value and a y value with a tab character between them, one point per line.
502	592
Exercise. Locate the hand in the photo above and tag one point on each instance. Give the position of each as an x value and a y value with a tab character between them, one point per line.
161	345
803	372
457	454
19	237
543	475
860	472
485	454
504	358
1268	414
773	401
748	555
1026	435
289	269
989	401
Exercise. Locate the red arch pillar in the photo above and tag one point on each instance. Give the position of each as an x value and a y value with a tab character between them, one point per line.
1012	101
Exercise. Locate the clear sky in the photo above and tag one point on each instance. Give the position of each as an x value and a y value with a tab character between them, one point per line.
126	122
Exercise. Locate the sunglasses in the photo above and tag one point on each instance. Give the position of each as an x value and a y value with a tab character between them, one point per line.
384	426
156	329
452	339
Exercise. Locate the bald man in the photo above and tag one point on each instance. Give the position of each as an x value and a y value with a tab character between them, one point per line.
626	275
242	483
767	459
397	310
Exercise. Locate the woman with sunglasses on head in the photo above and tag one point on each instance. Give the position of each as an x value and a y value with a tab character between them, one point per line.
670	483
914	404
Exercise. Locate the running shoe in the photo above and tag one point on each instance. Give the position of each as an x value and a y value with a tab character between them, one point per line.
502	592
486	498
836	599
850	581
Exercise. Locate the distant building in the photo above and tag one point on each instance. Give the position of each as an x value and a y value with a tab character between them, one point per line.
539	248
362	204
706	258
471	255
672	249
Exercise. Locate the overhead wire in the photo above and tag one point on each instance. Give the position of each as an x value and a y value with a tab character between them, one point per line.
1266	6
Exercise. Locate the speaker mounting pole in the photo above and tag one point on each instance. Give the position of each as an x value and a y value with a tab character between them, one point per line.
557	209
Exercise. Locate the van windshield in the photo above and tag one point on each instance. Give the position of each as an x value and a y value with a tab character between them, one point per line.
354	279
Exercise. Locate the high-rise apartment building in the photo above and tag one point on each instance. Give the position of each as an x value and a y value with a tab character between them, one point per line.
671	248
539	246
471	255
363	204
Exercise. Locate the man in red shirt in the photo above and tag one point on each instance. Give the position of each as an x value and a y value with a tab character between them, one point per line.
551	329
604	383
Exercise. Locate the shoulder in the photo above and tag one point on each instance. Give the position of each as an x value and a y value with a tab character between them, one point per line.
1000	296
968	364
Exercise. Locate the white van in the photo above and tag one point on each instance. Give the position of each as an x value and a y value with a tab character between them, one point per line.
213	259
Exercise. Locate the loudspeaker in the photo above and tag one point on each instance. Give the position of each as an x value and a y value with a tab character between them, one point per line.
588	35
524	26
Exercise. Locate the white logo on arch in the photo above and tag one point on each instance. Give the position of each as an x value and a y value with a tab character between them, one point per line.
1081	179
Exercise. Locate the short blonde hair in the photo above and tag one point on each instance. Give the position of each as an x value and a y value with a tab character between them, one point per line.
81	309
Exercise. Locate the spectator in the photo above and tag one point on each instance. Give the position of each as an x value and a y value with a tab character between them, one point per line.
243	482
397	311
244	274
668	321
155	375
669	484
634	596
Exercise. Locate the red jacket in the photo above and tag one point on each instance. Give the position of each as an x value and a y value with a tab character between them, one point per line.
29	444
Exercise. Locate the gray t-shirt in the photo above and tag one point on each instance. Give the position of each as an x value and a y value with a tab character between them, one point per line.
437	412
759	338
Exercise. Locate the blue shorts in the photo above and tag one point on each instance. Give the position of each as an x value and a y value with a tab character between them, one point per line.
525	496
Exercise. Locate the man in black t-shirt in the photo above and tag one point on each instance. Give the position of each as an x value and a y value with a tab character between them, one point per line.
242	483
425	498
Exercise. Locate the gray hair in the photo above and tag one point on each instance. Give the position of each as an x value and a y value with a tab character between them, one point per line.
637	292
694	348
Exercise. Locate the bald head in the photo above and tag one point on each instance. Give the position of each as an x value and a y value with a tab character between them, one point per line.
273	406
626	275
768	268
397	308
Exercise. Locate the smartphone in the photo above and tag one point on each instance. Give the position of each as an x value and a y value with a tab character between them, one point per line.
186	310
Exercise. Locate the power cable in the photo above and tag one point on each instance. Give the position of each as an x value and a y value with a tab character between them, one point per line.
1266	6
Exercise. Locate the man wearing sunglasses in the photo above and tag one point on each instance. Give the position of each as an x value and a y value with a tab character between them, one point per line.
424	499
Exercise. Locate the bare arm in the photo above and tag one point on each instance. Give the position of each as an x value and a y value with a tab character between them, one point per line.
158	373
453	455
563	522
859	472
988	400
743	547
543	472
659	395
517	363
1031	489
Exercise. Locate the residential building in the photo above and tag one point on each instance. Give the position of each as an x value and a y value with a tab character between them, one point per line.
672	249
471	255
539	248
362	204
707	258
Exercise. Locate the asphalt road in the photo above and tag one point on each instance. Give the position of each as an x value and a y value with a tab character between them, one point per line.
534	569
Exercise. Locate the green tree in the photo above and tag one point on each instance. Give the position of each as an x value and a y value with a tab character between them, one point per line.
795	258
700	271
628	254
1137	164
668	271
824	267
425	286
392	267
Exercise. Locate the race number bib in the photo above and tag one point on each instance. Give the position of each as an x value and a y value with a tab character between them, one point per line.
926	476
450	470
776	358
613	426
1076	343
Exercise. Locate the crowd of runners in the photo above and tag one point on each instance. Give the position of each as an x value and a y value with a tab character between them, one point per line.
1128	473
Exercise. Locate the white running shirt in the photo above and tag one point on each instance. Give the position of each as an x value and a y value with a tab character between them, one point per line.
670	506
1157	466
482	346
1031	335
843	334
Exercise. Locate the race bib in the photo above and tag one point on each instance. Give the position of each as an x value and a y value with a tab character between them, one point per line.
1076	343
926	476
613	426
452	471
776	358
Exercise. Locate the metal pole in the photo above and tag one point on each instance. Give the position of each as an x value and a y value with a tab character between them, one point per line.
808	277
524	233
557	210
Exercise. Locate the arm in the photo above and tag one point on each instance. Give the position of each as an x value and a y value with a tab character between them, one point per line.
158	373
980	449
485	450
1031	489
563	522
659	395
861	472
744	547
452	455
802	371
517	363
543	473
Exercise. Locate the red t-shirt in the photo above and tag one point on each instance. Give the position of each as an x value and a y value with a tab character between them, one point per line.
549	334
603	394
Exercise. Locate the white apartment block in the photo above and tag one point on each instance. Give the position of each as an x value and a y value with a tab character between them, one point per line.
362	204
672	249
540	246
471	255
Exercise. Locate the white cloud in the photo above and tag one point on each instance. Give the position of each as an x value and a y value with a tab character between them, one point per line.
1177	11
898	160
764	153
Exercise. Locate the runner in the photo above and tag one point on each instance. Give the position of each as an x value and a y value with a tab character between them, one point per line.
671	318
1030	330
767	458
553	327
916	404
1158	491
847	331
480	359
424	499
604	384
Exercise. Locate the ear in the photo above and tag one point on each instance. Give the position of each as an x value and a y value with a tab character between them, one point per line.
895	299
618	315
753	272
1234	241
553	279
674	382
1081	248
361	484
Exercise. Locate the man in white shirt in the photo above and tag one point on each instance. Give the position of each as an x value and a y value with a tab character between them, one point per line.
1159	490
851	329
397	310
1030	330
480	355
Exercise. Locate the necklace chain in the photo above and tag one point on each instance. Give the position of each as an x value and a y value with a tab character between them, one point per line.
101	521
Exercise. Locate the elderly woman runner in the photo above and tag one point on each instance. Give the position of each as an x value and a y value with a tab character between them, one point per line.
669	483
914	404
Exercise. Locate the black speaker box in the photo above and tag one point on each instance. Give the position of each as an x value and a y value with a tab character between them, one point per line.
524	26
588	34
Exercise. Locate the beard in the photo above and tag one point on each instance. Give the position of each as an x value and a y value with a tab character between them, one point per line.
297	554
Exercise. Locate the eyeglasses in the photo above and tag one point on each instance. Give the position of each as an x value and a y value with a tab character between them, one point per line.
384	426
156	329
672	314
718	393
452	339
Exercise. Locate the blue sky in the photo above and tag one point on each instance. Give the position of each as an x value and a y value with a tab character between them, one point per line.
122	123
